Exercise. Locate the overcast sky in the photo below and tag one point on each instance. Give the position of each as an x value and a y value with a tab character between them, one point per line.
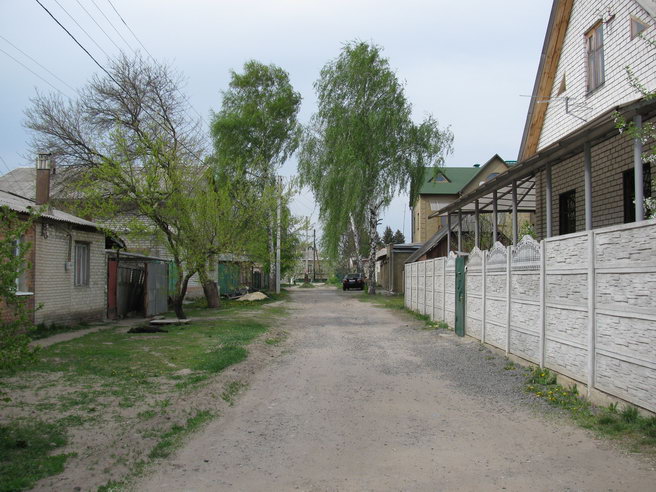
465	62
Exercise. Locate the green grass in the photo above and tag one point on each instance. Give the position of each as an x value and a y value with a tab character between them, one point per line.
232	389
199	308
172	438
27	453
626	424
306	285
396	301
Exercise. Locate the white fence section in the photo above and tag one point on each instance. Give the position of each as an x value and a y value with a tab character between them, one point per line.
583	305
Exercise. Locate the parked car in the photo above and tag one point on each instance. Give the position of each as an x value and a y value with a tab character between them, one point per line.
353	280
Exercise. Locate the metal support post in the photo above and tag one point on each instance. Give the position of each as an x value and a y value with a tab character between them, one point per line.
548	200
515	226
495	218
587	172
477	239
638	171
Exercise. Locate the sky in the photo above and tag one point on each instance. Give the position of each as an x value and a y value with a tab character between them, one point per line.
470	64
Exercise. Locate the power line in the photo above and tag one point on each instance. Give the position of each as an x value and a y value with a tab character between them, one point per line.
149	54
99	26
76	23
129	29
111	24
32	71
28	56
155	120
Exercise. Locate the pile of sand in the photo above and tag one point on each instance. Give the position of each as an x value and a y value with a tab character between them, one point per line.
253	296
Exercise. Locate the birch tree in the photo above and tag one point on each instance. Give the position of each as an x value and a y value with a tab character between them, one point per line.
362	146
256	131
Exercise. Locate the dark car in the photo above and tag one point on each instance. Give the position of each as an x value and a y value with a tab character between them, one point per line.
353	281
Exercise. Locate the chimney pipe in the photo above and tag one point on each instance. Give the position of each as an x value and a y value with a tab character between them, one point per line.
43	164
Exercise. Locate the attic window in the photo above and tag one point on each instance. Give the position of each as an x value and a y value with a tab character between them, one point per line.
440	178
594	41
637	27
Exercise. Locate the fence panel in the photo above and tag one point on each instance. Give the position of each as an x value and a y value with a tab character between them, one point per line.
525	302
496	296
566	305
625	313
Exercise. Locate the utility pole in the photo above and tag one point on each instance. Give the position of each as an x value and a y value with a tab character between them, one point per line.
278	238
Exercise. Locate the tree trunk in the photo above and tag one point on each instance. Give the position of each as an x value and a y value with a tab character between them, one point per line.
210	289
356	240
272	257
181	291
373	234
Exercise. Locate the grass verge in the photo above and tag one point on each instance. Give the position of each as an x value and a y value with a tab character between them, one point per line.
625	424
27	453
396	301
133	380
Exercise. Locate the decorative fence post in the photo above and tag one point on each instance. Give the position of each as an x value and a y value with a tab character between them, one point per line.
434	262
484	294
508	296
543	299
443	289
592	322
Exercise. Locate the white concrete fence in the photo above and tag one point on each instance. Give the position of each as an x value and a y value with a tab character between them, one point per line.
583	305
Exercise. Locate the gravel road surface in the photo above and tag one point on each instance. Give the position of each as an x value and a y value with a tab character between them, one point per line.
366	400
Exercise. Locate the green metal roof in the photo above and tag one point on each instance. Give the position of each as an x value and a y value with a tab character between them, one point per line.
458	178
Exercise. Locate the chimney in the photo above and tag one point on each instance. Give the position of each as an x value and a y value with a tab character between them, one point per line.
42	179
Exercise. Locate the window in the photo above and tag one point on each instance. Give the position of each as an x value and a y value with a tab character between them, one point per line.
628	187
21	280
595	53
81	263
440	178
491	176
567	212
637	27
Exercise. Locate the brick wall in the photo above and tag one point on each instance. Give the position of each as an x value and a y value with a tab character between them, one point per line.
620	51
609	160
60	300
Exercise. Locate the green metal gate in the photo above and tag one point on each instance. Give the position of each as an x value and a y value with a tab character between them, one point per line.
460	296
228	277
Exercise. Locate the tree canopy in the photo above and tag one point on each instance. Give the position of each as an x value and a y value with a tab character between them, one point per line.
362	146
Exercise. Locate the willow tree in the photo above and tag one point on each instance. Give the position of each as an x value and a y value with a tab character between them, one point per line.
256	131
362	146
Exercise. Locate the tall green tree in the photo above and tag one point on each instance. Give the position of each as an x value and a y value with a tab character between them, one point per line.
255	132
362	145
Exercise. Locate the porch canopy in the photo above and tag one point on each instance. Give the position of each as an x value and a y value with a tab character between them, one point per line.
514	190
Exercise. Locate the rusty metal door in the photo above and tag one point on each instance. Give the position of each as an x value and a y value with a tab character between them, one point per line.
156	288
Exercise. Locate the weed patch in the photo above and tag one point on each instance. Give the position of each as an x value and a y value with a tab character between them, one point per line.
26	453
172	438
639	432
231	391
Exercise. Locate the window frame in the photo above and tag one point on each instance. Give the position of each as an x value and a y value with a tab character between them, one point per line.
594	57
82	264
628	190
567	226
22	279
634	22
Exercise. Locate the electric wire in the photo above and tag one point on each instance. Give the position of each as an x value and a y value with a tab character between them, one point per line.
33	72
99	26
33	60
113	26
155	120
77	24
186	99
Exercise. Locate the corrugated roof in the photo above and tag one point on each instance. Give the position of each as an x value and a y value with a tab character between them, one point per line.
456	179
23	205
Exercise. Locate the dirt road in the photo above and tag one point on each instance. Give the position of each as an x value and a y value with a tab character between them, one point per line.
365	400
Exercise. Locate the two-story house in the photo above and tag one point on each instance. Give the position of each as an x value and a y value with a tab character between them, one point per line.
583	171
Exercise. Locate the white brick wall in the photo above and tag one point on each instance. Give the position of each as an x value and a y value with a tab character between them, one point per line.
620	51
61	301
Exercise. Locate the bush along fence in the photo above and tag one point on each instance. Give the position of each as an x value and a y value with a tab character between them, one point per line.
582	305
